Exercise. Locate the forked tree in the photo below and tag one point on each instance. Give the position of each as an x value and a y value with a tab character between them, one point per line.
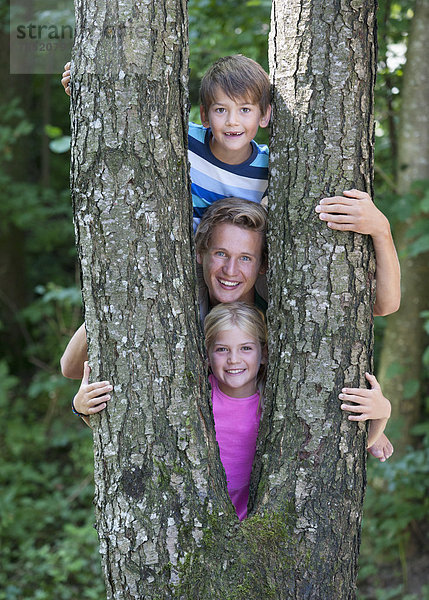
166	526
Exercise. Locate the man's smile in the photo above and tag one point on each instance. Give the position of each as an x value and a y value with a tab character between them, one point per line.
230	284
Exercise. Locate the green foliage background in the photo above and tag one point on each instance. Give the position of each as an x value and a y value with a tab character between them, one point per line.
48	546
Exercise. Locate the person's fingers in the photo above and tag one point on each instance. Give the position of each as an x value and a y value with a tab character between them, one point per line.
86	372
362	417
96	409
376	451
341	226
372	381
337	218
388	450
65	82
353	408
67	66
359	392
337	200
356	194
347	208
98	389
98	400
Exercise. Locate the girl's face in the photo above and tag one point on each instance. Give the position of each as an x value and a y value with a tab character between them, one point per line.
235	358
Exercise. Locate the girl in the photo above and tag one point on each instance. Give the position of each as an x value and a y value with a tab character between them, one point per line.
236	343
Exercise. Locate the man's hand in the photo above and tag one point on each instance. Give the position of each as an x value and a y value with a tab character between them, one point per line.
368	404
355	211
65	81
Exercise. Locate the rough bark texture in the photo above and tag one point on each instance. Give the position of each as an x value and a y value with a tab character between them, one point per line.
401	361
133	226
166	526
322	58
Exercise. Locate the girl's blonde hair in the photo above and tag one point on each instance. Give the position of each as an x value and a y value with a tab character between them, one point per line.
246	317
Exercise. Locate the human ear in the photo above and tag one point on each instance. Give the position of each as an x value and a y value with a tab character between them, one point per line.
204	119
199	259
265	118
263	268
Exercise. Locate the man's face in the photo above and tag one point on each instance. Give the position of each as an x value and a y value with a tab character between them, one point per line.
232	263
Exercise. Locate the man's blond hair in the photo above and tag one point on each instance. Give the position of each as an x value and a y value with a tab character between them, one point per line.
233	211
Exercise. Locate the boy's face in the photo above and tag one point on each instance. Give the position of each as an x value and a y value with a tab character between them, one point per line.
232	263
234	124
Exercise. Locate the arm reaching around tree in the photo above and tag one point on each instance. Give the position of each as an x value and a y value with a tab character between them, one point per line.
367	405
355	211
75	354
91	398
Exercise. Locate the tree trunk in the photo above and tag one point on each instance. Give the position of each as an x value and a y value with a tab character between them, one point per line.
167	528
404	338
322	59
133	228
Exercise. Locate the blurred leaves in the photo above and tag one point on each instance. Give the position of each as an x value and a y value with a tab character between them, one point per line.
48	547
13	126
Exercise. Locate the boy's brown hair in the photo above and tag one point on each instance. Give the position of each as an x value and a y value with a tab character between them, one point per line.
233	211
239	77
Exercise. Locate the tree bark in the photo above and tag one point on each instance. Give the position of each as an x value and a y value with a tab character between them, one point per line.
167	528
322	59
404	338
133	229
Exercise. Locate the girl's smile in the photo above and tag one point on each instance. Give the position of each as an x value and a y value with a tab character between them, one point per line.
235	358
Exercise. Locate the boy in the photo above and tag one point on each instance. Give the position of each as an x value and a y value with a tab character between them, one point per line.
226	161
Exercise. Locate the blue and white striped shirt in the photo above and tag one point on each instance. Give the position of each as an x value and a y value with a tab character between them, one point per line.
212	179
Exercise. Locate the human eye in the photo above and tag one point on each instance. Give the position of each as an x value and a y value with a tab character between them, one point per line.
246	258
247	348
221	349
220	110
246	109
220	253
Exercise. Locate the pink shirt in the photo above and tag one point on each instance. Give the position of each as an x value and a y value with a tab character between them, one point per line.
237	424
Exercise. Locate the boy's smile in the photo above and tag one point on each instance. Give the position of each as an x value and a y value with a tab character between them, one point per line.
234	123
